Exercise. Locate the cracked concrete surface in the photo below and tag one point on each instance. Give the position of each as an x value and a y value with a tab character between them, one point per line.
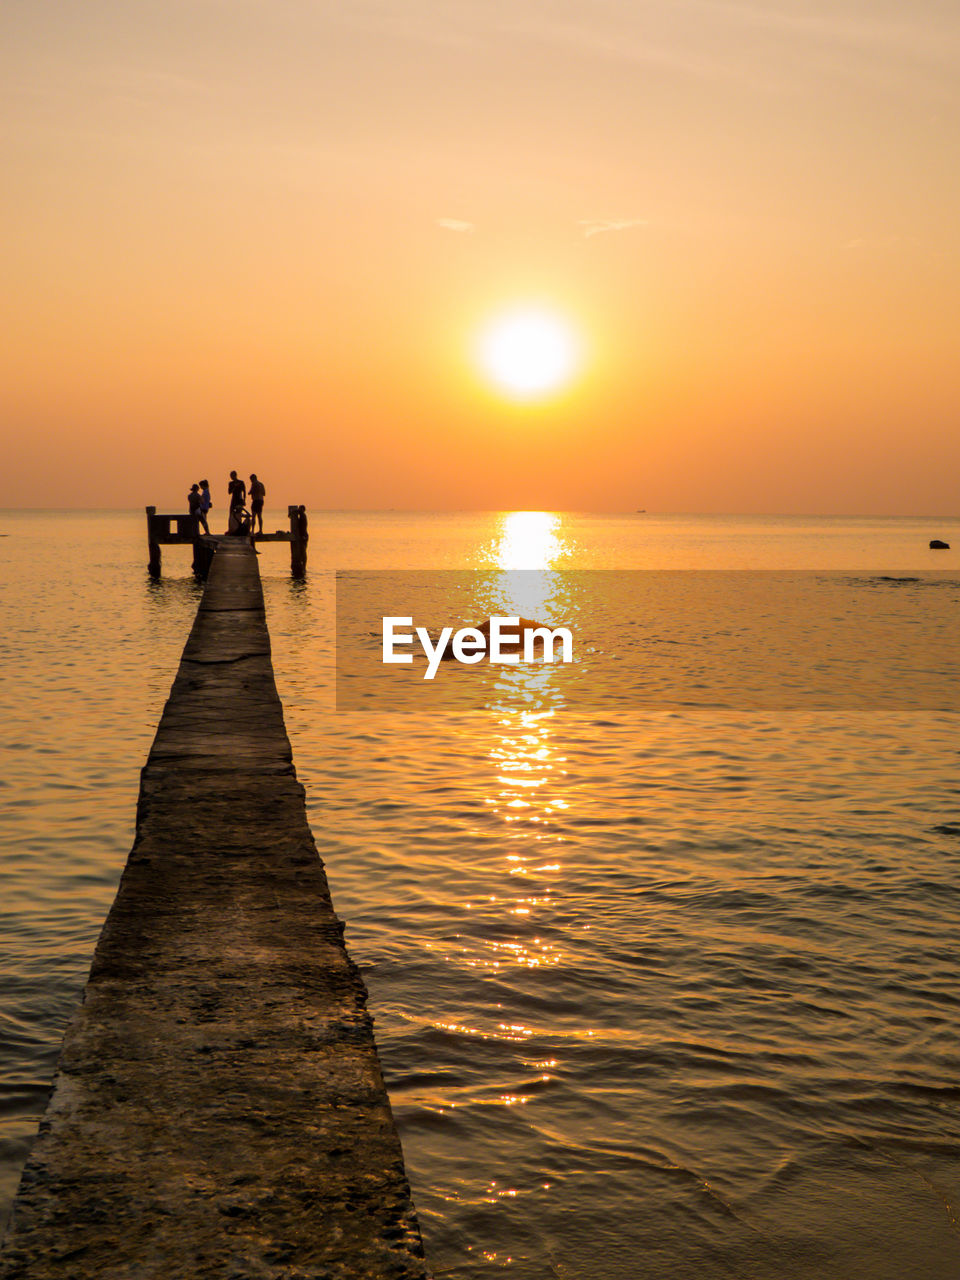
218	1109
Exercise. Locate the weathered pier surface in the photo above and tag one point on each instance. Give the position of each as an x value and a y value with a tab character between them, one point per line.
219	1109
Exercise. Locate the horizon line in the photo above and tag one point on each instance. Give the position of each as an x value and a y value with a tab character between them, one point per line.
591	511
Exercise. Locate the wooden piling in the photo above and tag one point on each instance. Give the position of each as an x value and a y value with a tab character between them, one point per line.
298	540
204	546
153	546
218	1109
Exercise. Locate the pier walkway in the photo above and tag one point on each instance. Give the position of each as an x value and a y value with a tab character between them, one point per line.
219	1110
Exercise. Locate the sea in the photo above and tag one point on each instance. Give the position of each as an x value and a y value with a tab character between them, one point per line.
664	988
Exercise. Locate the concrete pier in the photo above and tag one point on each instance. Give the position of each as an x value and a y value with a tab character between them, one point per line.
219	1110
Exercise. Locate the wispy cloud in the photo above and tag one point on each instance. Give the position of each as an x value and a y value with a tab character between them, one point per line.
904	35
456	224
881	243
596	226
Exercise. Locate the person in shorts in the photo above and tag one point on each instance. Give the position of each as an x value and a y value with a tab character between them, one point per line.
257	494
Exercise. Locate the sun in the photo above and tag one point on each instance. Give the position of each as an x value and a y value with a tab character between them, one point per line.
528	352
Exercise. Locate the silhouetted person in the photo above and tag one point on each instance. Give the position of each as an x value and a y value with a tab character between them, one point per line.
239	522
193	505
206	502
238	493
257	494
302	534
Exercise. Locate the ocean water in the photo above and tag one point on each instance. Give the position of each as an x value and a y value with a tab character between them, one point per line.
660	992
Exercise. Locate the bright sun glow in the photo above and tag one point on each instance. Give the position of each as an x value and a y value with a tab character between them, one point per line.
529	352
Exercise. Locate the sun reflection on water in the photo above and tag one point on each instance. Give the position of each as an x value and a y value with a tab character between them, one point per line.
528	547
529	540
524	788
512	938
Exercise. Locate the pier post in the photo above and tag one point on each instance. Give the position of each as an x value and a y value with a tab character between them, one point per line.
153	567
218	1109
203	553
298	540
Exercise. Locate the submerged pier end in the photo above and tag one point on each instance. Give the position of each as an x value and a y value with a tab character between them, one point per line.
219	1109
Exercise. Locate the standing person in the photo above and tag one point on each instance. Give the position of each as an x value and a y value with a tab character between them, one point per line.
258	492
206	502
237	491
193	506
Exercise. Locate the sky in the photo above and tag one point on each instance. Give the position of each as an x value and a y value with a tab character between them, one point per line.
264	235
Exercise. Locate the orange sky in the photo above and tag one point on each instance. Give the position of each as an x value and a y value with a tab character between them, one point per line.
262	236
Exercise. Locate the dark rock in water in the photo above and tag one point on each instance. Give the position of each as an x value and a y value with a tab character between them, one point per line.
937	545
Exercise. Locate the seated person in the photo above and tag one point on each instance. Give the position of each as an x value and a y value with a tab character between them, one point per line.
239	522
